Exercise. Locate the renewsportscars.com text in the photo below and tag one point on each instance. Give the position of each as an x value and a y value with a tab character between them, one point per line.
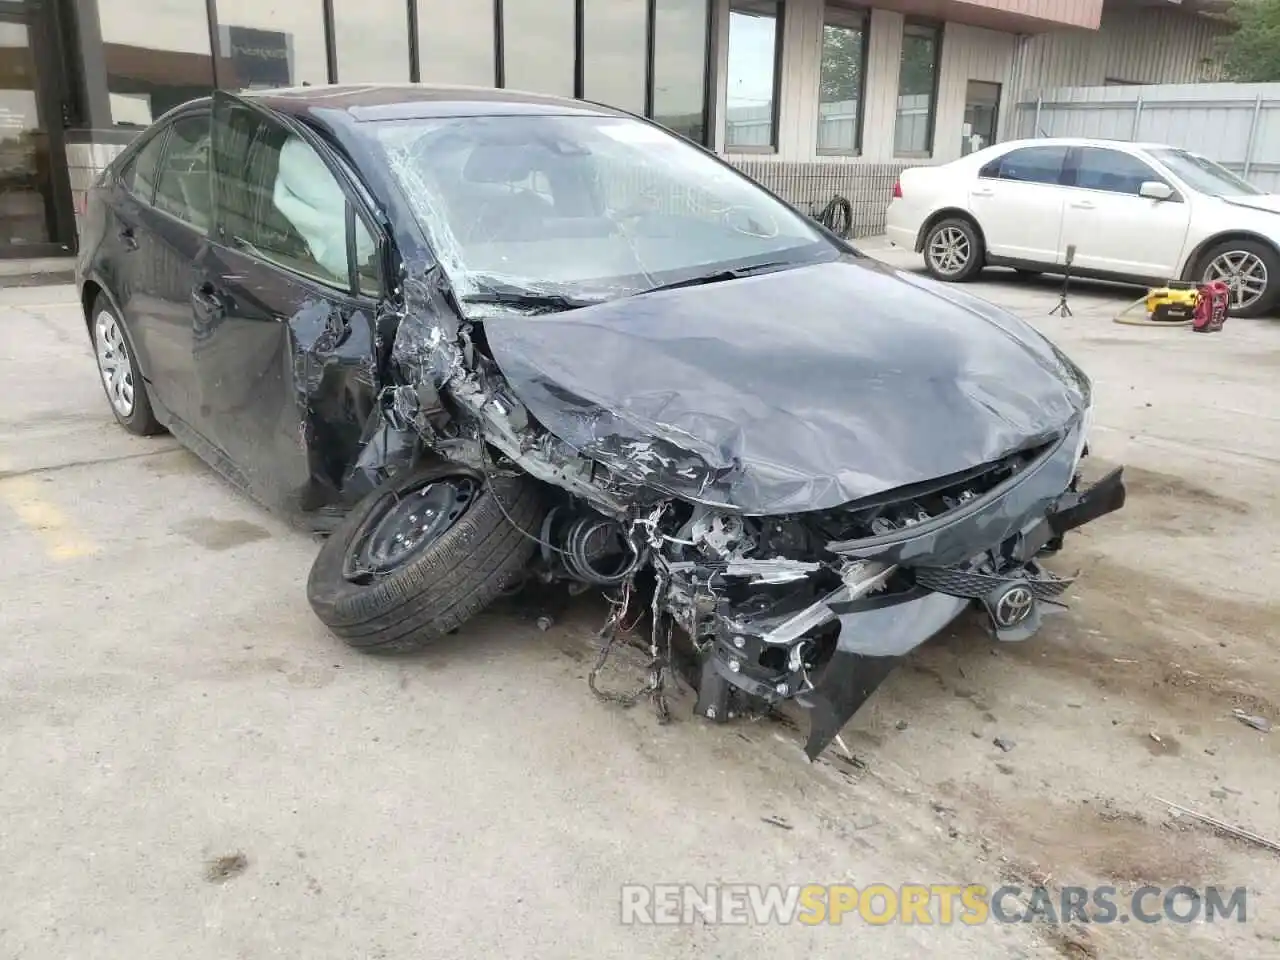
925	904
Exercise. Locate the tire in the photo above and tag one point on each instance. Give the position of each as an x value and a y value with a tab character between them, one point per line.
437	586
1257	260
118	370
967	253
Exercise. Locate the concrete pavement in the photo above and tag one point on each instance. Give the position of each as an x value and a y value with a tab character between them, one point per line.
190	765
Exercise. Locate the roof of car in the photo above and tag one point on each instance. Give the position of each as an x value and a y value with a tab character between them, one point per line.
402	101
1081	142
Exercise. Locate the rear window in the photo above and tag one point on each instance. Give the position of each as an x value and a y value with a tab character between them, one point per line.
1028	165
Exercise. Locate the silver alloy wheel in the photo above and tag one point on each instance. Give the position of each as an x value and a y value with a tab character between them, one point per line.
113	363
949	251
1243	272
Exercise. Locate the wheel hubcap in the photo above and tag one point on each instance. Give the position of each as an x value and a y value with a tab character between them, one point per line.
406	526
949	250
1244	274
113	363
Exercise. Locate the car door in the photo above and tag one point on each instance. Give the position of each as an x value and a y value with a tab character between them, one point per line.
171	231
1113	228
284	304
1018	200
133	244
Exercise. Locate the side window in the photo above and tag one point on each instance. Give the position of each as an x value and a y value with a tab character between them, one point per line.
278	200
1028	165
368	266
1113	171
183	186
139	175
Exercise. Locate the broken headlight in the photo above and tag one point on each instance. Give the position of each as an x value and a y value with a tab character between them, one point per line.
1082	441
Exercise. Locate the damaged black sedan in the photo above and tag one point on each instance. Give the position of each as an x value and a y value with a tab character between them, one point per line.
482	339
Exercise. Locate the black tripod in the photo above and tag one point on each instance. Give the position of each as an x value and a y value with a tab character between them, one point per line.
1062	310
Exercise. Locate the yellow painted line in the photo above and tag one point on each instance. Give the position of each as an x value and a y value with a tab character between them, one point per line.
61	539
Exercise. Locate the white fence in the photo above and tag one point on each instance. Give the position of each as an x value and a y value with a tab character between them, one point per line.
1236	124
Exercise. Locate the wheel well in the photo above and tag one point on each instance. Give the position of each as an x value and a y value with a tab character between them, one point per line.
949	213
1189	267
88	294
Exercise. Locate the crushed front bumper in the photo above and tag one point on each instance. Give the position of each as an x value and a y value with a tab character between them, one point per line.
982	553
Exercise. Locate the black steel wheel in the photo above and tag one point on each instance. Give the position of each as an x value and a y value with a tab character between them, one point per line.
423	554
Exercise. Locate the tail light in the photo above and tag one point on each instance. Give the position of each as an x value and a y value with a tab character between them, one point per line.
897	189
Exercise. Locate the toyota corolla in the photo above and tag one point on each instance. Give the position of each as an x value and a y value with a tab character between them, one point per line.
480	339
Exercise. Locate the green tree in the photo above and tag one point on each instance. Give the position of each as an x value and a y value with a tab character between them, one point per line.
1252	52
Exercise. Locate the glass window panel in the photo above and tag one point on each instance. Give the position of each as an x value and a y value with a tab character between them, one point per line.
614	34
140	174
183	188
369	264
157	56
455	43
840	86
372	37
917	89
271	43
279	200
538	45
680	66
1028	165
753	56
1112	171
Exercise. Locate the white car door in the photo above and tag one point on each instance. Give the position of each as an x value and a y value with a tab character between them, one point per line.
1018	201
1113	228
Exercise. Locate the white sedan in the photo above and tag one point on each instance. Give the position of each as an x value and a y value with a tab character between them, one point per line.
1142	213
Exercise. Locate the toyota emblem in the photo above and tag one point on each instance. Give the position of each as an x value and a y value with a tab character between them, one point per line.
1014	606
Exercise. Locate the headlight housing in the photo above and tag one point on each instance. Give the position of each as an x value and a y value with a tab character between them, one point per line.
1082	441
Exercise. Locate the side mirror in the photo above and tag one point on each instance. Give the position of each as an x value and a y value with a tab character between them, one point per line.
1155	190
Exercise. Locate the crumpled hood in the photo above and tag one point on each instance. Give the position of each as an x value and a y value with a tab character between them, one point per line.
790	391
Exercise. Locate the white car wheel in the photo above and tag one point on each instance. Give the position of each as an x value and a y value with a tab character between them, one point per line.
953	250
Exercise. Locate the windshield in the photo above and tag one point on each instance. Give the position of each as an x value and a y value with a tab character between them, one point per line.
584	208
1205	176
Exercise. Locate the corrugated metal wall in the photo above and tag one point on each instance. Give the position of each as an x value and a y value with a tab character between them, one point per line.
1236	124
1133	44
968	53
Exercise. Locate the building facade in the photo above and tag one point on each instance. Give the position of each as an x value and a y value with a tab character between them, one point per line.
815	98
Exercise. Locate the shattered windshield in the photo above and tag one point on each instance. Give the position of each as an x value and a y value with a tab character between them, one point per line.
574	209
1204	175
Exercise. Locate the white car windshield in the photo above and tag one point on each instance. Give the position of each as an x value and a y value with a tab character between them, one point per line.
585	208
1205	176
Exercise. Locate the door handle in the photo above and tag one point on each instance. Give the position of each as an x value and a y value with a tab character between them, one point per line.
1082	205
128	238
982	193
208	298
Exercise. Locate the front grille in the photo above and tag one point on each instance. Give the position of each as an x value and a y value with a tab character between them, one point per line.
965	583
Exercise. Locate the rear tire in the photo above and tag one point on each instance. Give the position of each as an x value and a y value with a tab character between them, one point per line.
383	602
953	250
1243	265
119	372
